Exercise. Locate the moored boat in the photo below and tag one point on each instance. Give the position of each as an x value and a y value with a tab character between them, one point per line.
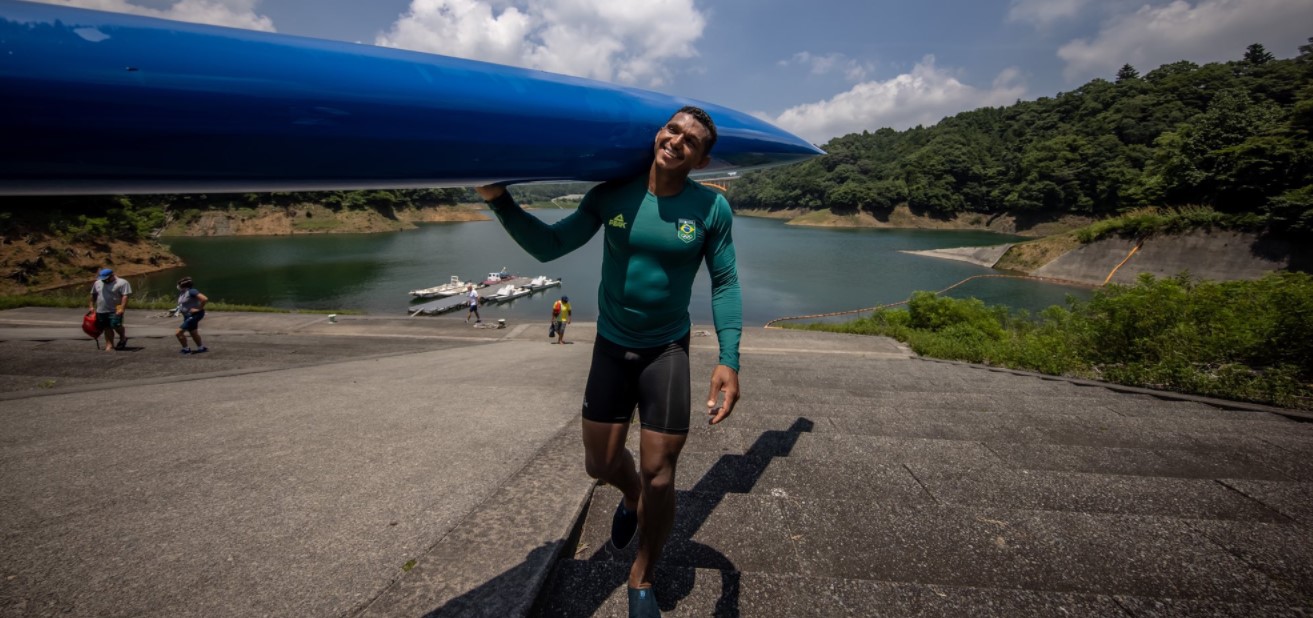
542	283
508	292
451	288
498	277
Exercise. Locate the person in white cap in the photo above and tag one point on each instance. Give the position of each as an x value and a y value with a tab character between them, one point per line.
109	299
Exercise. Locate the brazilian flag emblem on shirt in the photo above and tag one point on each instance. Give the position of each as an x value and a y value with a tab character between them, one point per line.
688	230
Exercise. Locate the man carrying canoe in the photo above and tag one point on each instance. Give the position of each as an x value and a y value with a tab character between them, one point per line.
659	228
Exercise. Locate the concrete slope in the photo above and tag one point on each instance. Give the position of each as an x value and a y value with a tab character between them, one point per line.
860	487
244	483
1214	255
398	467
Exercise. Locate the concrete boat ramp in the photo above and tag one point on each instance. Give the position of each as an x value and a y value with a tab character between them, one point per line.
384	466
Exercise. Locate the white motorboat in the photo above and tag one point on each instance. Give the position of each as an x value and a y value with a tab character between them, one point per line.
542	283
451	288
508	292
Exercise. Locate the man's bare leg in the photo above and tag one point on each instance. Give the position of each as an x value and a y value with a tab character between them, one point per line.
607	459
658	453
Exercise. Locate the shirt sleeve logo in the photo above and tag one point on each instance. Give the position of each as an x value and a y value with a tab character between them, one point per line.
617	221
687	230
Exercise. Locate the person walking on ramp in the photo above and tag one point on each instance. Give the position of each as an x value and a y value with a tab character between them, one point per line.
109	299
659	227
561	316
191	304
472	297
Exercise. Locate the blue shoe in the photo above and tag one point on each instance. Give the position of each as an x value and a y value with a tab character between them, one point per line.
185	351
623	525
643	604
201	349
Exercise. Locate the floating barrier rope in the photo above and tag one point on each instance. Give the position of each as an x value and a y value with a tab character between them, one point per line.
817	316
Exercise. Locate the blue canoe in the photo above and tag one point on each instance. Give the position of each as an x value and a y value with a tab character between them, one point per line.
94	102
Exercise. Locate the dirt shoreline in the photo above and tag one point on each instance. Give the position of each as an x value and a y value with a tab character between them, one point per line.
315	219
43	262
903	217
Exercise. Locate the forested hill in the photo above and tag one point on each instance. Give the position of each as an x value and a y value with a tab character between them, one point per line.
1234	136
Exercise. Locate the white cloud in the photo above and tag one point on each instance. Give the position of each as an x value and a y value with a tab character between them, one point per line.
1205	31
1042	13
629	41
923	96
821	65
232	13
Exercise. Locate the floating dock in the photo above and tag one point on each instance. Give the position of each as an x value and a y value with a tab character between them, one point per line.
448	304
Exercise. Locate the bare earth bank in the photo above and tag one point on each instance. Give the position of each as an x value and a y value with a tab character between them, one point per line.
35	262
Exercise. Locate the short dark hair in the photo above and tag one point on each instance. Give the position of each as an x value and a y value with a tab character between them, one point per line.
702	117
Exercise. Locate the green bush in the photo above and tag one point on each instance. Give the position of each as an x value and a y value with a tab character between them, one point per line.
1148	221
1242	340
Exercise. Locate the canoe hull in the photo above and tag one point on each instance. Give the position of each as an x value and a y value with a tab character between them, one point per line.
111	103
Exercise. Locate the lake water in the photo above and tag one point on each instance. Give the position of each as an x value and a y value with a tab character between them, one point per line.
784	270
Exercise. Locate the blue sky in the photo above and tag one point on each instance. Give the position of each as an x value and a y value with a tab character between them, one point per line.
819	68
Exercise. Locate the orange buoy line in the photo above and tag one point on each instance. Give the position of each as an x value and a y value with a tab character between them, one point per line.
1123	262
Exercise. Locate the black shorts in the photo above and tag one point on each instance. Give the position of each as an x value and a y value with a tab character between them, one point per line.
655	380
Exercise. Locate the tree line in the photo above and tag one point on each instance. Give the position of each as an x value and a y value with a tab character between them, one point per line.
1233	136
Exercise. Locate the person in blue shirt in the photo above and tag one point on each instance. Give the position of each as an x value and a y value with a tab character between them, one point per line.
191	304
659	228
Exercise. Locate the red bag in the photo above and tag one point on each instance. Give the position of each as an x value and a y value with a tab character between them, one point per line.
89	325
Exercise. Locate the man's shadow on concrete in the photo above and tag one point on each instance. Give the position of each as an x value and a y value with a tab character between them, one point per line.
731	473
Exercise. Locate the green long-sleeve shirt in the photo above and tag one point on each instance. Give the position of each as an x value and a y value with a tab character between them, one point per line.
654	246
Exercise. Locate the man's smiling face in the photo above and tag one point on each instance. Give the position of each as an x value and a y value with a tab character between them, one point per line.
681	145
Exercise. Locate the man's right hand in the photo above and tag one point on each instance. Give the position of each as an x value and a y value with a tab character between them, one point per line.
490	192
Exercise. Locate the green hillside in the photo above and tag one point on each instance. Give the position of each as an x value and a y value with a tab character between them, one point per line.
1231	136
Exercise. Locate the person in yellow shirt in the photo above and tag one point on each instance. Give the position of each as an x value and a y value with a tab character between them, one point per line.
561	315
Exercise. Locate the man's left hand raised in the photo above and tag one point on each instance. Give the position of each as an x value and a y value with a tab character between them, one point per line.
490	192
723	380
